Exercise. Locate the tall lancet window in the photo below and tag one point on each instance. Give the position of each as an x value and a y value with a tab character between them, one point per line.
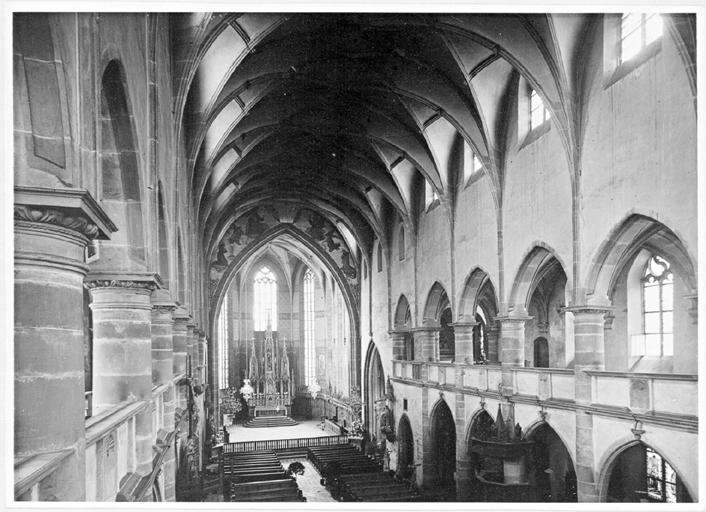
658	306
223	344
265	299
309	344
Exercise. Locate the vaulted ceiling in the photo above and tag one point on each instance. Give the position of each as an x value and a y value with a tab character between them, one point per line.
350	114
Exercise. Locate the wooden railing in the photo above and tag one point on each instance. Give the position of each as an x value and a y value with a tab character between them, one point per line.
283	444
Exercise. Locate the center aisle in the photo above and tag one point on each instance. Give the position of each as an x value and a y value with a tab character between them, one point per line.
309	482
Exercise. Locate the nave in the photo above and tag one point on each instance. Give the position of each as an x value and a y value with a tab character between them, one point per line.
463	245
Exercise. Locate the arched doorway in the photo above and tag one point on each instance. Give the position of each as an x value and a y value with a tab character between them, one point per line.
640	474
443	442
405	448
374	392
541	353
550	469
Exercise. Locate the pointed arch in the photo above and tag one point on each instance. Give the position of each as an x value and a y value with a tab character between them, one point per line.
625	240
302	240
478	291
636	450
403	315
440	449
374	390
539	262
437	301
405	447
121	182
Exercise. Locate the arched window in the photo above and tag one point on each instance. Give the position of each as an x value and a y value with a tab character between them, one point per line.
379	257
658	305
265	300
401	244
309	343
223	344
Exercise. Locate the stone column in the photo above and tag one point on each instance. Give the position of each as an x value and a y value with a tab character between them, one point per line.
122	350
589	354
426	343
202	358
190	327
464	469
180	331
163	373
162	339
398	339
512	347
49	332
464	341
491	340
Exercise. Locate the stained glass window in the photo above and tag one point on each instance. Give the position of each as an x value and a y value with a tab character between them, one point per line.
638	30
658	306
265	300
309	340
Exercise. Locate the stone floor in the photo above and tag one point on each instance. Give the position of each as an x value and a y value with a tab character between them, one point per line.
307	428
309	482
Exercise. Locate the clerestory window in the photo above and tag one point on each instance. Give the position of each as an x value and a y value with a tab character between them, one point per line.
637	31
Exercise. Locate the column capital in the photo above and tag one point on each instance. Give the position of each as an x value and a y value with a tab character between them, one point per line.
463	324
590	309
426	328
137	280
513	318
73	209
399	332
181	316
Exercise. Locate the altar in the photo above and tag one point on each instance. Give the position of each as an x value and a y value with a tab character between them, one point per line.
270	376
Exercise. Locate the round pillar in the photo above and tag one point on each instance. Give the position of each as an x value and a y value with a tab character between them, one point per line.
589	354
122	351
426	343
463	332
398	339
512	347
49	338
162	342
179	331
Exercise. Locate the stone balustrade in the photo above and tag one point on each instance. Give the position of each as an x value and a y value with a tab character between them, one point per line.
544	383
646	392
662	394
